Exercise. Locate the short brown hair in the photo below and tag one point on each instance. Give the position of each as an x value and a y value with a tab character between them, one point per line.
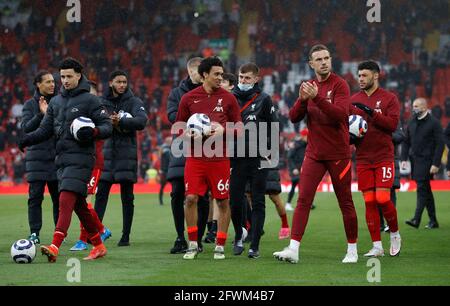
250	67
317	48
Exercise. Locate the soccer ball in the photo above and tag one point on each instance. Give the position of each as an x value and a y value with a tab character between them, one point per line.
79	123
199	124
23	251
357	126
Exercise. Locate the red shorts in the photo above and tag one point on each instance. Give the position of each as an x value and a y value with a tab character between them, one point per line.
93	182
371	176
199	176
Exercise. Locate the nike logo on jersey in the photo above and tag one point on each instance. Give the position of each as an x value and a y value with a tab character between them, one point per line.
196	101
384	181
74	110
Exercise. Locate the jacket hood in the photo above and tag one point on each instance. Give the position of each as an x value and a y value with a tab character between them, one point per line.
37	95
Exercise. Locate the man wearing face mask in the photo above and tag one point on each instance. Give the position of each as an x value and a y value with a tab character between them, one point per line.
256	107
128	116
424	144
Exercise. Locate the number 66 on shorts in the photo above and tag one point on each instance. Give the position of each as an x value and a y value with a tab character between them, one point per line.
201	175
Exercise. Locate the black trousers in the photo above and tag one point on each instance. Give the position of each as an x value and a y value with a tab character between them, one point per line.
243	170
177	203
163	182
35	197
127	197
294	183
425	199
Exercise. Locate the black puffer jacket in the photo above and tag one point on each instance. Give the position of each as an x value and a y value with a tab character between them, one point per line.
40	158
74	160
120	151
176	164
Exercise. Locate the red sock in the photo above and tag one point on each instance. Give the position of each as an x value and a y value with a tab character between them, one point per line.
221	238
58	238
284	221
95	239
192	233
390	214
97	221
373	220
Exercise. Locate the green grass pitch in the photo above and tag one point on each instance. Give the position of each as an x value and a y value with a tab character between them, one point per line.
424	259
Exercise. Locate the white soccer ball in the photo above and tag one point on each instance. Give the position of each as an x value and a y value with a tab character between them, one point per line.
79	123
357	126
199	124
23	251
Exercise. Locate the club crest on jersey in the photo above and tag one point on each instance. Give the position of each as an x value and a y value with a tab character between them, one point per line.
253	107
219	107
378	107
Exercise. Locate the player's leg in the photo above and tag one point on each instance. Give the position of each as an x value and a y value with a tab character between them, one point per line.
294	183
88	222
258	195
238	180
285	231
35	198
195	185
54	194
101	198
127	197
341	177
219	184
311	174
202	213
67	200
177	205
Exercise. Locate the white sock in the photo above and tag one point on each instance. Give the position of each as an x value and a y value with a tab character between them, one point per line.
395	235
288	204
193	244
294	245
352	247
378	244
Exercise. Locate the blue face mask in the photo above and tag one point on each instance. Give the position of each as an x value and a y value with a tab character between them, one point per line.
245	87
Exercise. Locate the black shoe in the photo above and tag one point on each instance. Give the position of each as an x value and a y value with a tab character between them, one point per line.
254	254
200	246
180	246
124	241
210	237
313	206
237	250
412	223
432	225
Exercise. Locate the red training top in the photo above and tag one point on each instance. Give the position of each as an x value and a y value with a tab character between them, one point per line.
220	106
328	112
377	146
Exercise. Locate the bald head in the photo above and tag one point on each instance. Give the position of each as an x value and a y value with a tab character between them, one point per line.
420	107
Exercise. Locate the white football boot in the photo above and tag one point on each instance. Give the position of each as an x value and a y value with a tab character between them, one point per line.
350	257
192	251
396	244
375	252
287	254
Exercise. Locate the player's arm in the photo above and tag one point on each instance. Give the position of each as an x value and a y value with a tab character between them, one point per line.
103	126
389	121
355	110
44	131
30	121
438	135
139	120
399	135
300	108
339	110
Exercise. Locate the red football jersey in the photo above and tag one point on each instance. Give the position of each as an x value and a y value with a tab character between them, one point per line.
377	146
328	137
220	106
